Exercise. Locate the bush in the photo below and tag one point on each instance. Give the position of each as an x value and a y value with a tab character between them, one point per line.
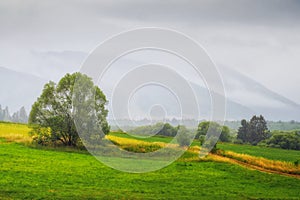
284	140
215	128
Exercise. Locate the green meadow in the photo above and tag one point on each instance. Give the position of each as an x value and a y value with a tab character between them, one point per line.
32	172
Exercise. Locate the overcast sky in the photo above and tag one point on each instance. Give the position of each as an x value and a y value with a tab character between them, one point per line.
260	39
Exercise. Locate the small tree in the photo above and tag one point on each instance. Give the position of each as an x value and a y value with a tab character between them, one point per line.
51	115
184	136
203	128
243	131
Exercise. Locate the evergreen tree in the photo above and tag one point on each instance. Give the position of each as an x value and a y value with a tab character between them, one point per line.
254	131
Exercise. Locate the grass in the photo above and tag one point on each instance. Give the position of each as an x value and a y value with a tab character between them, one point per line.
13	132
156	138
29	173
265	152
149	139
279	166
135	145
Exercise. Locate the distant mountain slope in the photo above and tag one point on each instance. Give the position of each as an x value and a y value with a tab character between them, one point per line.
257	97
245	96
19	89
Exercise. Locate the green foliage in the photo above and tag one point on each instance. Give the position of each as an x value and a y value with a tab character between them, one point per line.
184	136
157	129
29	173
254	131
215	127
51	116
284	140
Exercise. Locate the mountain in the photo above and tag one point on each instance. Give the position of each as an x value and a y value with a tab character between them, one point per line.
257	97
245	96
19	89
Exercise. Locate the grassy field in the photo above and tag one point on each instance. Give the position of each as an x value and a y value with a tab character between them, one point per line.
28	172
269	153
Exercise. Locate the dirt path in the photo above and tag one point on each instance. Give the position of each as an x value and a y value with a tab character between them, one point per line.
253	167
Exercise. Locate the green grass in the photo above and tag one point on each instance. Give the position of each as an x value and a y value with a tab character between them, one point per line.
30	173
269	153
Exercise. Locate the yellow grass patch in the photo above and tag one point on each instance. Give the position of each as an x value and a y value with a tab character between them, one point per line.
135	145
15	132
274	165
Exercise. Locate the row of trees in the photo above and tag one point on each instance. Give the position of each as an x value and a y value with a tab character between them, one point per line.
19	116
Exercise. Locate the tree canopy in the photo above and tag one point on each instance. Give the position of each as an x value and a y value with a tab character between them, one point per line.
253	131
203	129
51	115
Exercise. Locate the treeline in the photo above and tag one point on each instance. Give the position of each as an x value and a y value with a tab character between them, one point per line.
156	129
20	116
256	132
253	132
272	125
167	130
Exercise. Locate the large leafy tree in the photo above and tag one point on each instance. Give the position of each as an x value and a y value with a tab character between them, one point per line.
254	131
51	115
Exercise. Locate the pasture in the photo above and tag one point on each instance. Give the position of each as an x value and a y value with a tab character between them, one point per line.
30	172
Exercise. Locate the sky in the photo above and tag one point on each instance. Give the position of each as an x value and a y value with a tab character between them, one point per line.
260	39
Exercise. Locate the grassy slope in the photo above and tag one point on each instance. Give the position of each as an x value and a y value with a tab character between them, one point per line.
34	173
269	153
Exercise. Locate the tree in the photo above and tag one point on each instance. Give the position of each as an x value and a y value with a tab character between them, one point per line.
51	115
215	127
6	115
23	118
225	134
158	128
254	131
167	130
20	116
184	136
243	131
